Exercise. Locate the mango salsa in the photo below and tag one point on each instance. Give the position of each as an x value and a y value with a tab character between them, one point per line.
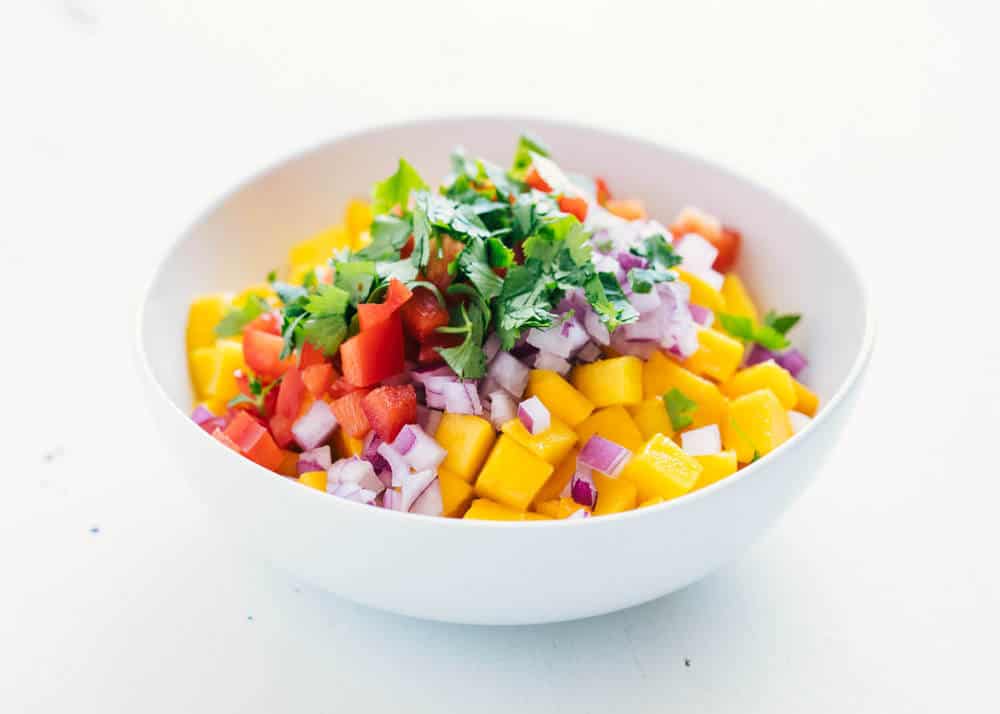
806	401
661	469
608	382
203	315
512	475
559	396
560	507
766	375
755	425
467	439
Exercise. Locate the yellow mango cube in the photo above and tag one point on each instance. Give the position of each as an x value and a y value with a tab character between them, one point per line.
559	508
319	248
223	383
468	440
345	445
614	495
715	467
614	424
702	293
203	315
608	382
755	424
661	374
512	474
662	469
564	401
552	445
718	355
650	415
765	375
652	501
483	509
738	300
456	494
203	363
806	401
314	479
357	220
559	478
261	290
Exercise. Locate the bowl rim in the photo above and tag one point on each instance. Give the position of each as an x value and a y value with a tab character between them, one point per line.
850	382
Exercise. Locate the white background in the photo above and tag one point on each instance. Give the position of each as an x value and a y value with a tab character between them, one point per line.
878	592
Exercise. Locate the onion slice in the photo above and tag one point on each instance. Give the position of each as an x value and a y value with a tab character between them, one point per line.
315	426
503	408
400	469
582	487
429	503
534	415
418	449
702	442
413	487
603	455
508	372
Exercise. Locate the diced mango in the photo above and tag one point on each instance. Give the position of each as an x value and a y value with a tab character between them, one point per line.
738	300
608	382
223	384
765	375
456	494
483	509
203	315
261	290
346	445
297	274
319	248
650	415
806	401
614	424
204	365
559	507
559	478
756	423
614	495
718	355
702	293
559	396
662	469
467	439
314	479
652	501
552	445
715	467
512	474
660	374
358	220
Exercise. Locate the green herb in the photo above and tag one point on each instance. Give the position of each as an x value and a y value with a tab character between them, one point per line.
395	190
745	329
474	263
326	326
357	278
272	276
260	393
781	323
290	294
679	408
743	435
523	303
467	359
658	252
389	234
642	279
309	280
239	317
609	302
526	145
497	254
402	270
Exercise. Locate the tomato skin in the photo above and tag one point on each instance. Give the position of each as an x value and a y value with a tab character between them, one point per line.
318	378
254	441
407	250
631	209
310	355
243	382
341	387
575	205
371	314
429	355
603	192
262	353
437	264
291	393
389	409
374	354
535	180
269	322
728	244
350	413
423	314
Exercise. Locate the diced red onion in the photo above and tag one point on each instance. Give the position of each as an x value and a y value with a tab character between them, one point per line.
419	450
648	327
679	329
799	421
534	415
596	329
793	361
491	346
400	469
318	459
645	302
702	315
392	500
552	340
636	348
435	400
405	440
210	425
201	414
628	260
385	477
582	486
397	380
414	485
315	426
696	253
713	277
758	354
557	364
353	470
509	373
523	351
577	515
429	419
503	408
354	492
603	455
588	353
369	451
422	375
702	442
429	503
462	398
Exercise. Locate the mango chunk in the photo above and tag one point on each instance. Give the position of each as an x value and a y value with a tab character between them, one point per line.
456	494
559	478
203	315
204	364
756	424
662	469
512	474
357	220
319	248
660	374
718	355
262	290
608	382
702	293
346	445
715	467
650	416
223	383
806	401
652	502
467	439
614	495
552	445
614	424
314	479
483	509
765	375
559	396
559	507
738	300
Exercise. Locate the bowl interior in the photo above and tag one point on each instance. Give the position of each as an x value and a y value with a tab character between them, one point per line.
787	262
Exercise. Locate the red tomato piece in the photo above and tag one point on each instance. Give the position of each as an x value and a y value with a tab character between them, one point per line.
341	387
350	414
262	352
603	192
310	355
291	393
440	258
374	354
254	441
221	437
631	209
407	250
575	205
371	314
428	350
243	382
423	314
728	244
269	322
289	464
318	378
535	180
389	409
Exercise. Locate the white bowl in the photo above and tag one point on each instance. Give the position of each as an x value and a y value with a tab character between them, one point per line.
490	572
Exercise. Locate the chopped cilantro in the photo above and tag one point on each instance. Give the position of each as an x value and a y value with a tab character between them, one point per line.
272	276
781	323
498	255
526	145
467	359
679	408
403	270
658	252
355	277
389	234
474	263
239	317
745	329
259	392
609	302
289	294
395	190
643	279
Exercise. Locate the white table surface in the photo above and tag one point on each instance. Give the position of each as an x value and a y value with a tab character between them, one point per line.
877	592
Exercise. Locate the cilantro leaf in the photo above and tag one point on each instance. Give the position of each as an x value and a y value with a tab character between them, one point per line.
781	323
272	276
403	270
421	232
526	144
745	329
474	263
522	303
326	333
289	294
643	279
389	234
679	408
658	251
395	190
356	278
239	317
606	297
322	318
497	254
468	360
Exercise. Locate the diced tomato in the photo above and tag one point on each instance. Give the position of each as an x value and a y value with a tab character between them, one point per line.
437	264
374	354
423	314
390	408
310	355
728	244
221	436
270	404
243	382
575	205
603	192
340	387
428	350
291	393
407	250
289	464
254	441
370	314
318	378
262	352
535	180
631	209
350	414
269	322
324	274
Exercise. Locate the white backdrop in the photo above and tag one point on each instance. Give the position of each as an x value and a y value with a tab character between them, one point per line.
878	592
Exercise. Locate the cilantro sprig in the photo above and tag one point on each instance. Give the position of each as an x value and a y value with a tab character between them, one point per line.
745	329
680	408
237	318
